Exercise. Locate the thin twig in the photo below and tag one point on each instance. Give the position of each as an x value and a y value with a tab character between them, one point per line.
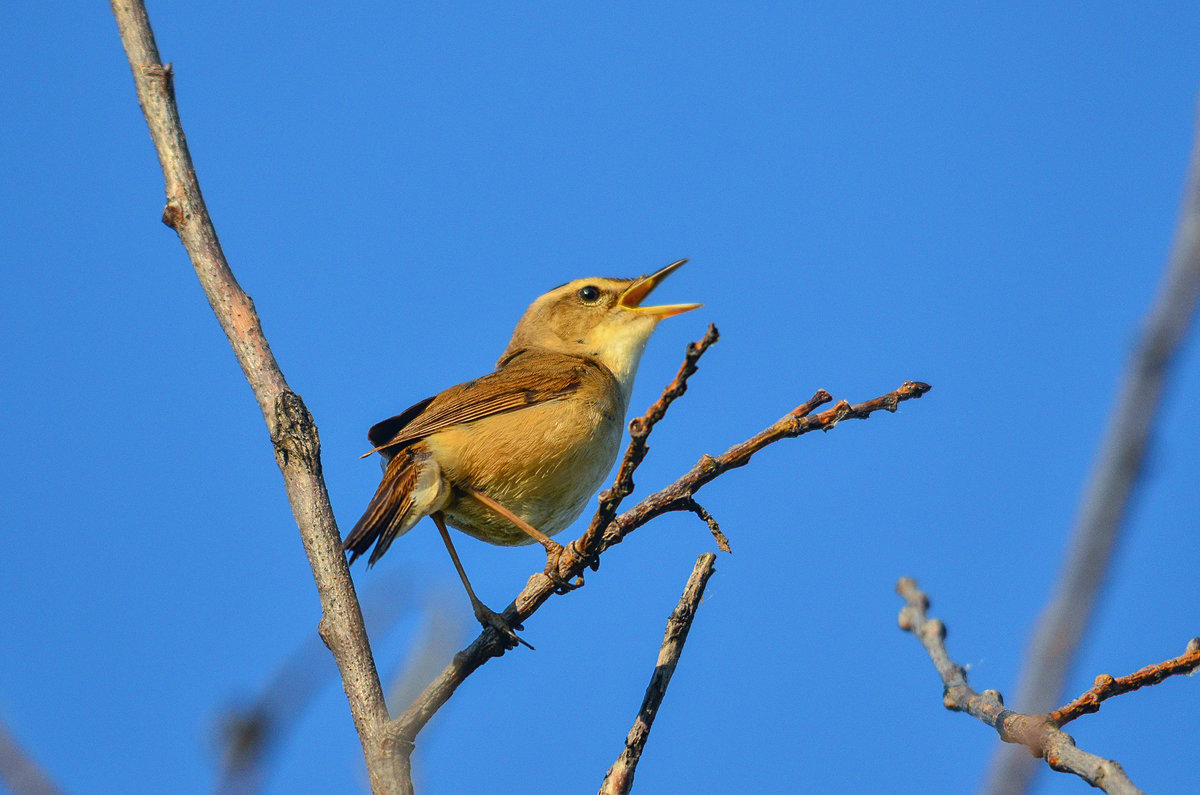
799	421
1105	686
1106	497
1040	733
679	496
291	427
619	778
713	527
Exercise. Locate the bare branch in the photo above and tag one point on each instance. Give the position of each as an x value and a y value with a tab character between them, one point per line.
678	496
619	778
1042	734
291	427
1106	496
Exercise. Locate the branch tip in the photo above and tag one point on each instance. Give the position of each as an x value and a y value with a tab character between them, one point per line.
713	527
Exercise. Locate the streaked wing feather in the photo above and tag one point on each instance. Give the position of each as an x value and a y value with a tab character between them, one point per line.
525	380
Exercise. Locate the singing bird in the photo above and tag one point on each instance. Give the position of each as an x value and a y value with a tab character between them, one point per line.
513	457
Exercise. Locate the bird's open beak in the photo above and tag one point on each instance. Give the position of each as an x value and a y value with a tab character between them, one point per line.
632	298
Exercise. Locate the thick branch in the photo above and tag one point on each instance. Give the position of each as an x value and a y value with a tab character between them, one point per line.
1106	496
1041	734
595	540
619	778
291	427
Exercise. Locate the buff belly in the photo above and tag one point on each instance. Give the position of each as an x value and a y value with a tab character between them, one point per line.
543	463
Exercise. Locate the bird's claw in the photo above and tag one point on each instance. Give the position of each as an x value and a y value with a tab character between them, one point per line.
559	560
491	619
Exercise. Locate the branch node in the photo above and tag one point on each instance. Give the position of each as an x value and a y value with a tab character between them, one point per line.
819	398
638	428
173	215
393	744
934	628
839	413
295	432
159	71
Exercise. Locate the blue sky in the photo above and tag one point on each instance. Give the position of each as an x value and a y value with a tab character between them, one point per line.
977	196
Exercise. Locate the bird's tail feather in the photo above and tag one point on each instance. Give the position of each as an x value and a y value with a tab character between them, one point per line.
390	513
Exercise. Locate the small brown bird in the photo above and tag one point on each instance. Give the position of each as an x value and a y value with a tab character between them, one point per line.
513	457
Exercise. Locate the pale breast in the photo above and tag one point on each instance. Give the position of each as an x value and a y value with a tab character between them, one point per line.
543	463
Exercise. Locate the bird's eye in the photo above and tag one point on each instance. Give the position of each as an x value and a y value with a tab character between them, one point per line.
589	294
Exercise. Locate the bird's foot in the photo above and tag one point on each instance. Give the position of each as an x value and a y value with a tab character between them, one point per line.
491	619
559	560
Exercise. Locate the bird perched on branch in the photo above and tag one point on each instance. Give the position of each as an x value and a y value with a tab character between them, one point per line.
514	456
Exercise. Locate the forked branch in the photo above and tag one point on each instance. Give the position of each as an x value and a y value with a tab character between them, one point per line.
1041	734
639	430
679	496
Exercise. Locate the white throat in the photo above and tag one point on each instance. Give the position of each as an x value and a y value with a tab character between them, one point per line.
620	349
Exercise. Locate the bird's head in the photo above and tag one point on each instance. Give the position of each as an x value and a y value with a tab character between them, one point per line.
598	317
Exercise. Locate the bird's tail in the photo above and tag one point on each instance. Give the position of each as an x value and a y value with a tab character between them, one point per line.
397	504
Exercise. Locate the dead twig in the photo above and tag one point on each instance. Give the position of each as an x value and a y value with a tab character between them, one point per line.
679	495
619	778
1105	686
1042	734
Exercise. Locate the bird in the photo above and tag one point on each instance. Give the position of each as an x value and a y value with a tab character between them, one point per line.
513	457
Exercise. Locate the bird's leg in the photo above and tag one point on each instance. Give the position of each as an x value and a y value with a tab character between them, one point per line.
485	616
554	550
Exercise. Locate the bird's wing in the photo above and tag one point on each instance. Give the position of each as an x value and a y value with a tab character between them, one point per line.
526	379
